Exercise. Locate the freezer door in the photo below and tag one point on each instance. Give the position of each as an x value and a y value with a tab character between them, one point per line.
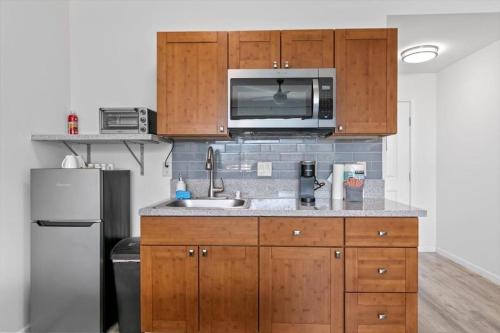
65	194
66	277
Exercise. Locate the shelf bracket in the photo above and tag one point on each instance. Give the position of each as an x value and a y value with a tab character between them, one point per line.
140	159
76	154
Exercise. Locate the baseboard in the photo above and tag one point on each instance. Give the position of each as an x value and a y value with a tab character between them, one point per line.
467	264
427	248
25	329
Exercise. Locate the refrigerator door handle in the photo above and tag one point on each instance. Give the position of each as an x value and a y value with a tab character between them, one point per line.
72	223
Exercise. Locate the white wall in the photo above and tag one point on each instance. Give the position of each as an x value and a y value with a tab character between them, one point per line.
34	96
468	161
420	90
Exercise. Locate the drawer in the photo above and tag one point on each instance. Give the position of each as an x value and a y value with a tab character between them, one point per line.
382	232
381	313
284	231
381	269
157	230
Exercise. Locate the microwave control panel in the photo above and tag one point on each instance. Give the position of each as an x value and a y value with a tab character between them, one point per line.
326	91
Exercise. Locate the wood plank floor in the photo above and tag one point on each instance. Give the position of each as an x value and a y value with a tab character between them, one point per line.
455	300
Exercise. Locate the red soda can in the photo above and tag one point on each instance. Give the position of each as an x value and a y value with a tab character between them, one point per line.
72	123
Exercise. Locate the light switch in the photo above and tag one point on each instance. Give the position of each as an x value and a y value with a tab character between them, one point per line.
264	169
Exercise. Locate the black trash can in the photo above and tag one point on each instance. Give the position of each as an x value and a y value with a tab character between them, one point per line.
126	266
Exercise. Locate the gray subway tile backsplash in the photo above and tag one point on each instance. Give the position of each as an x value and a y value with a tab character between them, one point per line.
238	159
318	147
368	156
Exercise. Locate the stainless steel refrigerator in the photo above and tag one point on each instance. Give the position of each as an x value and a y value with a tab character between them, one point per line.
77	215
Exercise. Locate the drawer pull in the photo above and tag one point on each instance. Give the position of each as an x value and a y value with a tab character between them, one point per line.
382	316
204	252
296	233
382	270
338	254
191	252
382	233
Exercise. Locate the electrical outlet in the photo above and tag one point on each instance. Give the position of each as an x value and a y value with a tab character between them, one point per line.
264	169
165	171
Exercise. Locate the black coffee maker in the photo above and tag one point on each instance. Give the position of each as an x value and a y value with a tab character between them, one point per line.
308	183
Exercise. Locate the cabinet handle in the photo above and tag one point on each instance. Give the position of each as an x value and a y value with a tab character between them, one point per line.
382	270
191	253
275	64
338	254
286	64
382	233
221	128
340	128
204	252
382	316
296	233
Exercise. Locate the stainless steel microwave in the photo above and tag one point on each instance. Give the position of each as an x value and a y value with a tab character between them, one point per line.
281	99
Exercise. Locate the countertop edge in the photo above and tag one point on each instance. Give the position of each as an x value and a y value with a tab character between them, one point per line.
404	211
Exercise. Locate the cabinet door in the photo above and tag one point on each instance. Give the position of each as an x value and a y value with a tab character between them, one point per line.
192	83
169	289
307	48
228	289
366	62
254	49
301	290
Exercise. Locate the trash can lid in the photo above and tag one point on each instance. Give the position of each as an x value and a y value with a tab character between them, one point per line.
127	249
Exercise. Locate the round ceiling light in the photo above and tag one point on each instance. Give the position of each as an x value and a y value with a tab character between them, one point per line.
418	54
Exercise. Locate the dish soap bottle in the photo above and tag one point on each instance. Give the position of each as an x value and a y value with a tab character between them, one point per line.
180	189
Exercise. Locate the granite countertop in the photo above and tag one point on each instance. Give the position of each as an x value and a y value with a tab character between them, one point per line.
370	207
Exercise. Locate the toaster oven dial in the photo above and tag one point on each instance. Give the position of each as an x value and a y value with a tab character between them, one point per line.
143	130
142	112
143	119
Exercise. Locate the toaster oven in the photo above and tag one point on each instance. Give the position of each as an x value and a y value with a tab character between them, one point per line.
127	120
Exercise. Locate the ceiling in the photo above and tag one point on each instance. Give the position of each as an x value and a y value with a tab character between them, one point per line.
456	35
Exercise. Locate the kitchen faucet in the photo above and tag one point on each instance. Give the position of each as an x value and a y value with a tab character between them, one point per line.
210	166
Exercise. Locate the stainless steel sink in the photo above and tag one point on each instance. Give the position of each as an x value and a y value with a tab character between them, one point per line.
207	203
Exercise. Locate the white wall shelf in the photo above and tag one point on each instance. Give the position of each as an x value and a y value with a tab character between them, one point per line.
90	139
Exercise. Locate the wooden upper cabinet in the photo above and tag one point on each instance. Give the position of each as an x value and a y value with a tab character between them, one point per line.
281	49
366	63
254	49
301	290
169	289
192	83
307	48
228	289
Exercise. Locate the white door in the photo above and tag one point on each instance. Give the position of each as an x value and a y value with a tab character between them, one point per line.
397	158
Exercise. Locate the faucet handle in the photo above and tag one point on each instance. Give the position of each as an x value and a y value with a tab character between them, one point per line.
222	184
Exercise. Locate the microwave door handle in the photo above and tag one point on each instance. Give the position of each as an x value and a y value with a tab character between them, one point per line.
315	83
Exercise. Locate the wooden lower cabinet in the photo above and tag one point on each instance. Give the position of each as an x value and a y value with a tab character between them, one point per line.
279	275
169	289
209	289
228	289
381	313
301	290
